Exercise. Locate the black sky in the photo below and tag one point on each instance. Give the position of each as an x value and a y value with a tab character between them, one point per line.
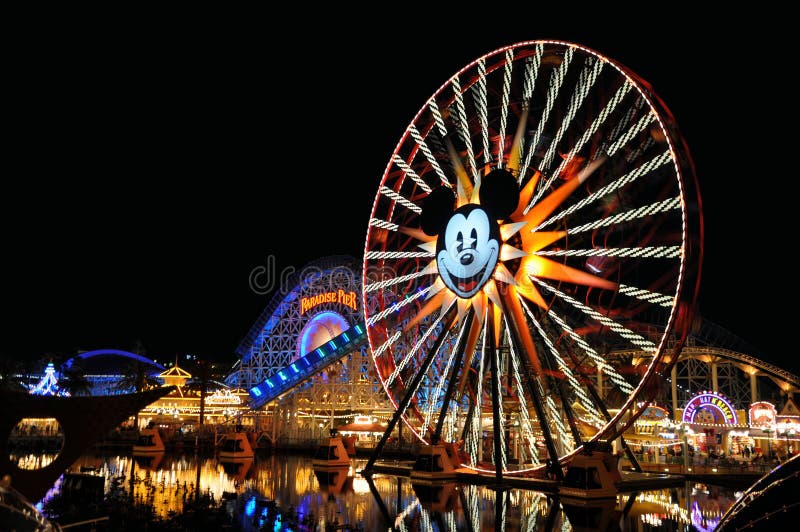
152	171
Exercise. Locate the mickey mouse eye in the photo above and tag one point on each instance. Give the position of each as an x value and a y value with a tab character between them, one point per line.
460	240
474	236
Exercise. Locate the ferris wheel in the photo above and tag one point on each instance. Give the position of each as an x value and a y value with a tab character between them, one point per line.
539	214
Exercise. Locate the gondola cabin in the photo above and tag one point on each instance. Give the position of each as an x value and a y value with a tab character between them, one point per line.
331	453
149	442
235	446
434	462
592	473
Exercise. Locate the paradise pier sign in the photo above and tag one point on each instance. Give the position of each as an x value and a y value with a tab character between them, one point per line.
348	299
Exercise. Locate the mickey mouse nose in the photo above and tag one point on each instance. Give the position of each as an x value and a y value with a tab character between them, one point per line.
467	259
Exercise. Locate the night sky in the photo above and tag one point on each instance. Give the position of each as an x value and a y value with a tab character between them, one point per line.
151	174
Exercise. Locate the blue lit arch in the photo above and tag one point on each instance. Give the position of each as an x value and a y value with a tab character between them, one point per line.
114	352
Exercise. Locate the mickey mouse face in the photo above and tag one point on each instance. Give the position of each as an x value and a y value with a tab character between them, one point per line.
468	243
466	253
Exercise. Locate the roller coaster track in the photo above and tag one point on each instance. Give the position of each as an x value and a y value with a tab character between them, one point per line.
708	352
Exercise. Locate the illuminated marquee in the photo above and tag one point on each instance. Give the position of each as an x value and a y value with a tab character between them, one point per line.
706	401
762	414
348	299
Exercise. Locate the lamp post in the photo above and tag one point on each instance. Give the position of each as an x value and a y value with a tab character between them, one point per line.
769	431
682	430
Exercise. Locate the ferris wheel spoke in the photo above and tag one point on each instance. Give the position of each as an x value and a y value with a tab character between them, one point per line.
527	426
637	128
507	68
599	120
556	80
632	337
373	255
407	170
644	252
386	283
413	351
588	76
434	399
415	134
463	128
645	169
461	343
647	296
481	105
391	194
600	362
375	318
632	215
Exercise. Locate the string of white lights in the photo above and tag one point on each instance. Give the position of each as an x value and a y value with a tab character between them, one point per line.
644	169
415	134
479	89
532	65
599	361
443	377
371	287
394	307
391	194
385	345
625	120
588	76
589	133
646	295
397	254
576	386
500	413
628	216
402	165
646	145
476	417
637	128
425	519
556	80
634	338
463	127
501	144
437	117
413	351
652	252
526	424
555	415
450	521
383	224
474	512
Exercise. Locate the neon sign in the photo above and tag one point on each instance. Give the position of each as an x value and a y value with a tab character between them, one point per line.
762	414
348	299
707	401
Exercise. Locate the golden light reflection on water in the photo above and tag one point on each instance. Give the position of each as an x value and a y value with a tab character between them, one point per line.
344	497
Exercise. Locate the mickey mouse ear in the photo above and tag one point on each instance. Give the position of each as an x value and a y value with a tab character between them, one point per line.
499	193
436	210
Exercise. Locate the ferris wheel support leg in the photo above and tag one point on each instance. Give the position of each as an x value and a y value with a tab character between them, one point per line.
451	384
536	399
498	441
576	435
602	406
412	389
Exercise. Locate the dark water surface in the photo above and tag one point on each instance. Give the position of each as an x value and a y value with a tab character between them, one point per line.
341	497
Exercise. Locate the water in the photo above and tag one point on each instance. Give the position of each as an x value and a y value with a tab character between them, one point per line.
345	498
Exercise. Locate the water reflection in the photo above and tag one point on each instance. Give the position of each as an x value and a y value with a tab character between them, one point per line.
256	491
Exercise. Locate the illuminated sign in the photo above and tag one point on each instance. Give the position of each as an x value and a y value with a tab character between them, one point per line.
762	414
654	413
349	299
702	406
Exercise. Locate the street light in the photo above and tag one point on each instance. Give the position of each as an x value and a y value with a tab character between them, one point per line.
769	432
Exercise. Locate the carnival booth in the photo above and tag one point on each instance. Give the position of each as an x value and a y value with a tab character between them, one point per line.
714	424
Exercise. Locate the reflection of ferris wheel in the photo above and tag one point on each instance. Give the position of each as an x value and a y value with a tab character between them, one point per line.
538	211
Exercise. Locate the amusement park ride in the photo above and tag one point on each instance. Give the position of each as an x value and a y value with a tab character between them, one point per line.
539	213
